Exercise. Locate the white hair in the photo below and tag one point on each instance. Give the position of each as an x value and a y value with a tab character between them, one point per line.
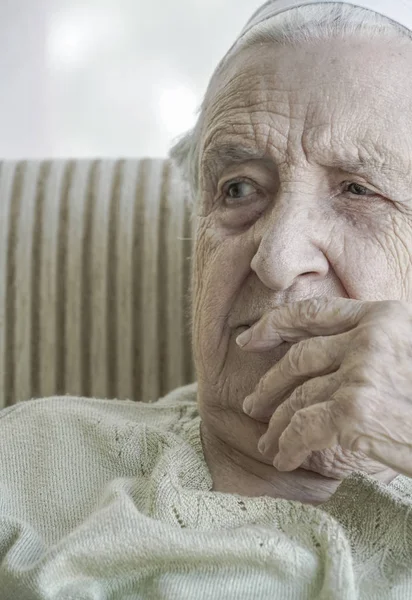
305	24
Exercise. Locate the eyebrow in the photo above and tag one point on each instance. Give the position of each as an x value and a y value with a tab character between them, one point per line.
226	154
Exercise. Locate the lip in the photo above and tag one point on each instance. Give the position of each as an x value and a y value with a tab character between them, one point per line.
257	316
247	324
252	319
241	328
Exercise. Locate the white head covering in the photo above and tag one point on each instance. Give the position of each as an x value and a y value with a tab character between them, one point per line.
399	11
396	10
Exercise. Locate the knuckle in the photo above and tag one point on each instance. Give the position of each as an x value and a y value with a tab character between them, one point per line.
390	311
282	411
354	407
366	378
361	444
292	363
297	399
282	443
300	420
297	423
295	361
306	358
373	338
293	429
393	308
264	389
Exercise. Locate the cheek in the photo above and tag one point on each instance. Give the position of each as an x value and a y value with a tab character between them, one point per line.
220	256
399	250
368	265
220	267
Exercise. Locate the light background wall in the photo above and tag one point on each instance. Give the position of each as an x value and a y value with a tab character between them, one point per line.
107	78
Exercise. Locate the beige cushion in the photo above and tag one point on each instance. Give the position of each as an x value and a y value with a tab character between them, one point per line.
95	275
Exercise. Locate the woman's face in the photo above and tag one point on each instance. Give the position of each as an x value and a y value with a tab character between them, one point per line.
306	190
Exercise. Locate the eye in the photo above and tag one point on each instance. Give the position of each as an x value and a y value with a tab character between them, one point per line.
359	190
236	191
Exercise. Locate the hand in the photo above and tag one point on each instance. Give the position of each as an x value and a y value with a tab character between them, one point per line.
351	385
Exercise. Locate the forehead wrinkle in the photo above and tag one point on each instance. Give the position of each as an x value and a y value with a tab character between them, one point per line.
257	81
220	156
358	156
225	154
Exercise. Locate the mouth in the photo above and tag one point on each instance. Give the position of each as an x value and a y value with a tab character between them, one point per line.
241	328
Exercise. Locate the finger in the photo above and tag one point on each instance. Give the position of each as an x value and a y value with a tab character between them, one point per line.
311	358
314	391
300	320
310	429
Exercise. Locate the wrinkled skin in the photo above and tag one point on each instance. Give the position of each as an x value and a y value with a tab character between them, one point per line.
346	381
297	227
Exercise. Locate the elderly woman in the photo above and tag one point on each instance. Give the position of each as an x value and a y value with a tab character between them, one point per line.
285	471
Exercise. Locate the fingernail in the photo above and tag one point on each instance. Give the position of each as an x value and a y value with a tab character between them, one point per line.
248	405
262	445
244	338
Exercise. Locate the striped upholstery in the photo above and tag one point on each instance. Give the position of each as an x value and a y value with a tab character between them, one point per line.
95	274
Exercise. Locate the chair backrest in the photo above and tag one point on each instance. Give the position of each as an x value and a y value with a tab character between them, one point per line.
95	267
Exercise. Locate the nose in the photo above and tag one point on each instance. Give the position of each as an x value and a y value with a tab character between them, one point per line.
289	242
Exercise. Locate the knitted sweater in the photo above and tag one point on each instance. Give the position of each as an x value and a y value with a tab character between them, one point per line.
111	499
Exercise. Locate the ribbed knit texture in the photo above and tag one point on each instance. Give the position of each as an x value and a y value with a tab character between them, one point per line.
95	263
111	500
